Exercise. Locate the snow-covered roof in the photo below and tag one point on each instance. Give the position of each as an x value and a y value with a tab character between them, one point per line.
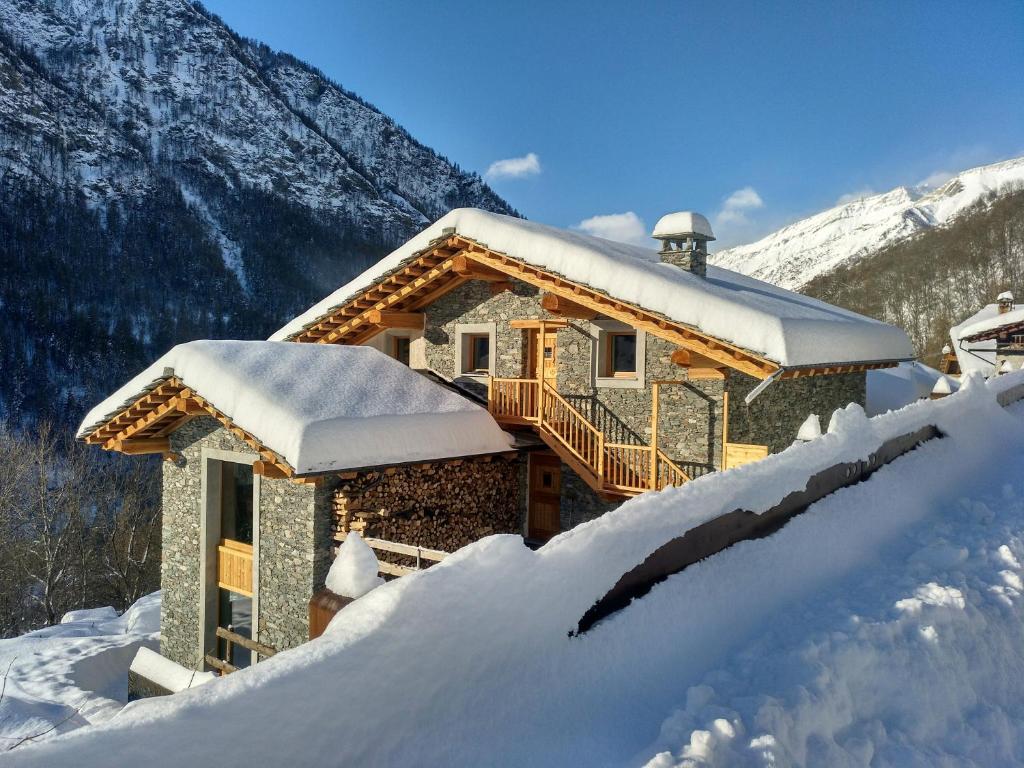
785	327
978	355
683	223
321	407
986	325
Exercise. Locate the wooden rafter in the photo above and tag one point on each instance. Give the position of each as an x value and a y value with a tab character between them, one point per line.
142	426
412	321
449	263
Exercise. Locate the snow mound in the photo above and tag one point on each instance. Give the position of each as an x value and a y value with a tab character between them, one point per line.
322	407
785	650
810	429
791	329
72	674
354	570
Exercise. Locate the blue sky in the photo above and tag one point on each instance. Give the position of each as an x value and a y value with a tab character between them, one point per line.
754	113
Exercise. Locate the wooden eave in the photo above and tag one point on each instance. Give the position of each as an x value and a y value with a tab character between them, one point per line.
995	333
163	409
454	260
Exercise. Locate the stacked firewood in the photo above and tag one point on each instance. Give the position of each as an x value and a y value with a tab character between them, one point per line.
436	506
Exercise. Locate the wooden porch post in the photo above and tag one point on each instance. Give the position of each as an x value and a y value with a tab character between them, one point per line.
540	374
655	392
725	426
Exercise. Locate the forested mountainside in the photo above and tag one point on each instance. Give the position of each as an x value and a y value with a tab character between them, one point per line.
934	280
163	179
842	235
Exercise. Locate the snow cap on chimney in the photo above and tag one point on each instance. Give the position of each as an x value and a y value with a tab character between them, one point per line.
684	240
1005	301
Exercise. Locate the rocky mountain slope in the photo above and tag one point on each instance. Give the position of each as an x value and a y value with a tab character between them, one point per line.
847	233
162	179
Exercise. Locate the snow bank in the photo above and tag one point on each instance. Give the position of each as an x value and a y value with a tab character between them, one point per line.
788	649
354	570
167	674
74	673
786	327
322	407
889	389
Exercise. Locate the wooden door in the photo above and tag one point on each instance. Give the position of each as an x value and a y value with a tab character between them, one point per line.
543	356
545	496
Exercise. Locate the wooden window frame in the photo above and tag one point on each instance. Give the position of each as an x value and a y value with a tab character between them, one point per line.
395	341
471	362
609	356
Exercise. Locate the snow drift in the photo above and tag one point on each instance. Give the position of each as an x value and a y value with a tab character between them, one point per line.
883	625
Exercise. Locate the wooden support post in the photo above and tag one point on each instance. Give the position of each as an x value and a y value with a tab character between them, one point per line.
655	392
725	425
540	375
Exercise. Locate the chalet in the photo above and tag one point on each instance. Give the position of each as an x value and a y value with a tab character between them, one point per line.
988	341
492	375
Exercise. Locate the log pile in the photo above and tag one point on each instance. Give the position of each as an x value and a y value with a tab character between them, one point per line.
442	505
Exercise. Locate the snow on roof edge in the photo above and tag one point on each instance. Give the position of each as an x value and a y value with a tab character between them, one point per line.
789	329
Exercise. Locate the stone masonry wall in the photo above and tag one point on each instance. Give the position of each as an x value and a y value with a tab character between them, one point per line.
775	416
443	505
181	567
690	415
294	547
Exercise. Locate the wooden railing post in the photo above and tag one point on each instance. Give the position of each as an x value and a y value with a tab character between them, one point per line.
490	394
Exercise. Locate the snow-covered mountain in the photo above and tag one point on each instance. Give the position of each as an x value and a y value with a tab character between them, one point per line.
162	178
796	254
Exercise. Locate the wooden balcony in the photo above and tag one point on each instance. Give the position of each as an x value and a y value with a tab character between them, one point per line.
615	469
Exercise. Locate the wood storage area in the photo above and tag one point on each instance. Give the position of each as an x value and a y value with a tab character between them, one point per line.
441	505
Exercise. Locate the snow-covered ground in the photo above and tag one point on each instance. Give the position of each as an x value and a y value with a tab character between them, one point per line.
884	626
60	678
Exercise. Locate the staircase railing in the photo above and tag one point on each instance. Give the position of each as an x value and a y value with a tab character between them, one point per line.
614	466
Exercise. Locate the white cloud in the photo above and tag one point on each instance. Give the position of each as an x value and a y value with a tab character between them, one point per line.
936	179
736	206
857	194
514	167
622	227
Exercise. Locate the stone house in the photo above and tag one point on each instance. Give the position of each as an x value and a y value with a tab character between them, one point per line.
491	375
990	340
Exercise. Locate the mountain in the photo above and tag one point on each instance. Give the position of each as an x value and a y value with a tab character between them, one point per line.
162	179
840	236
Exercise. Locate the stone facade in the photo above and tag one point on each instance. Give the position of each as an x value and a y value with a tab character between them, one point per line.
441	505
293	548
774	418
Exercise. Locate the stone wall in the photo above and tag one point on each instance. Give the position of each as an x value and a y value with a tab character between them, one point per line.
441	505
181	566
295	554
294	547
775	416
691	412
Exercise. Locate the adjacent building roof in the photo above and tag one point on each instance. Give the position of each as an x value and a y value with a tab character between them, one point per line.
786	328
320	407
979	354
991	327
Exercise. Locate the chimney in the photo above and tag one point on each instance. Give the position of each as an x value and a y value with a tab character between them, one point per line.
1005	301
684	240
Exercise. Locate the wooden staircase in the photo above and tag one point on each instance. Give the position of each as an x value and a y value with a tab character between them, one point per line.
612	469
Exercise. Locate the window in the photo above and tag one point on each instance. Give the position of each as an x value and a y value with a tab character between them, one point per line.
620	354
478	353
236	501
400	346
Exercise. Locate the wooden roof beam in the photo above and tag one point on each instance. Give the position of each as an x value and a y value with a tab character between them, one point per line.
559	305
140	447
463	267
410	321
